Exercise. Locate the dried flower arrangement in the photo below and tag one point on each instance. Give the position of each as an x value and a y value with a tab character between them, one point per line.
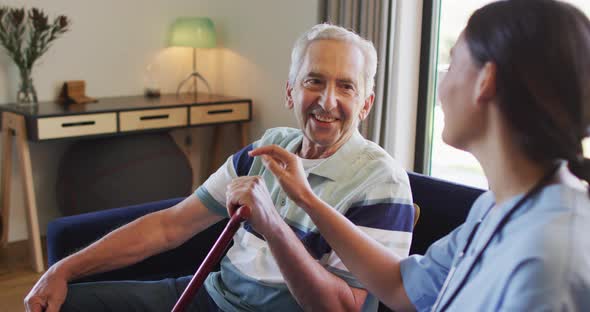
27	35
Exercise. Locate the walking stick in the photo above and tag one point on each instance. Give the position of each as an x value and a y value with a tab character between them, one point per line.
212	258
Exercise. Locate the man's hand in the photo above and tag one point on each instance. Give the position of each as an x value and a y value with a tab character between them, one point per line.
48	294
288	170
252	192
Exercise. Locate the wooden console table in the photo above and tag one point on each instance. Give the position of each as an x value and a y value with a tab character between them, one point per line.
108	117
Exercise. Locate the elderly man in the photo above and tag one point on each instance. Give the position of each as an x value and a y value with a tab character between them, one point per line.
285	264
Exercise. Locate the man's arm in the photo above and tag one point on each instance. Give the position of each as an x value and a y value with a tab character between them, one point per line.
378	268
131	243
314	288
374	265
149	235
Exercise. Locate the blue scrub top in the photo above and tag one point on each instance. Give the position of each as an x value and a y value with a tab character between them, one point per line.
539	260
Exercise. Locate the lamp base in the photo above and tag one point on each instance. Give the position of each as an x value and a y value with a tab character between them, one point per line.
194	75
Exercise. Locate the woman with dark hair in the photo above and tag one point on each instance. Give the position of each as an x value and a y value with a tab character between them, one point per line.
517	96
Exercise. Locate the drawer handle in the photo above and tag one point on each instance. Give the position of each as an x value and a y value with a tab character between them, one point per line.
220	111
163	116
76	124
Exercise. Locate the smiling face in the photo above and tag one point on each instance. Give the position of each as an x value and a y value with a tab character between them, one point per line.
328	96
459	98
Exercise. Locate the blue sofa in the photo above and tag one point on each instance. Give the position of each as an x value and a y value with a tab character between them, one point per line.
444	206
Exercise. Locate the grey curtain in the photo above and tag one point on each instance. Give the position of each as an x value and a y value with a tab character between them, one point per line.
373	20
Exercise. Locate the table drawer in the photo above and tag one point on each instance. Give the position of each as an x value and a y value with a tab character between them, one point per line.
153	119
219	113
71	126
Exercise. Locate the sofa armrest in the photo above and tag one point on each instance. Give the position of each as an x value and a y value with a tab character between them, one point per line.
70	234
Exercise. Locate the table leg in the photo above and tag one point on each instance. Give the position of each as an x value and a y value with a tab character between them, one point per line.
7	133
17	123
217	147
243	131
244	128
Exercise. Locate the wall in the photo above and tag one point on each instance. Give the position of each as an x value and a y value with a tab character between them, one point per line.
112	43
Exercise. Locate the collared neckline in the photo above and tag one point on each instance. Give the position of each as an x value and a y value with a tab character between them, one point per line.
345	155
488	221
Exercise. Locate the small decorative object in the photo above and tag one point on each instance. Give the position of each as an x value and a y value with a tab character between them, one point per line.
193	32
152	93
152	84
27	35
74	92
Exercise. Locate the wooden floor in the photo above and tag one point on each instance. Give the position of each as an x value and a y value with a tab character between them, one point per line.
16	275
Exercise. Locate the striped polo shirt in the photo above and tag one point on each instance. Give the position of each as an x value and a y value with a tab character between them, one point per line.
360	180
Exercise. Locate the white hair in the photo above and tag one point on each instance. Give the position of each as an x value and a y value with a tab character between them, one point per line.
332	32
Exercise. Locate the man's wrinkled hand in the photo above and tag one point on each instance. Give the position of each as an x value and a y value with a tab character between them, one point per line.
251	191
48	294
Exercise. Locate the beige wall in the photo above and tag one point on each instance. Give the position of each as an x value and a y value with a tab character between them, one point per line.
111	43
404	81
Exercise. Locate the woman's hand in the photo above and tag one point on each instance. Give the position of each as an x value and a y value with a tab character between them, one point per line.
288	170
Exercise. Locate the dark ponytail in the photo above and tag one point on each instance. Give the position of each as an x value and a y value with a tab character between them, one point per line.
580	167
541	50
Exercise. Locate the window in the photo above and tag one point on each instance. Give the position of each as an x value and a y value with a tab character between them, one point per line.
441	160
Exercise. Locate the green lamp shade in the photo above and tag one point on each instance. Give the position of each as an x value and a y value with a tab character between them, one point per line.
194	32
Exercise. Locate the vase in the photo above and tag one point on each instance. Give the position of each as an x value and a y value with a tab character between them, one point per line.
26	96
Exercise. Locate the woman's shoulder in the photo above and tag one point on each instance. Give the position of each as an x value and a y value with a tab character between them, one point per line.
563	198
554	231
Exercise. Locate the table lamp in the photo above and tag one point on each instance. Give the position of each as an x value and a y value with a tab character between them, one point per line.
193	32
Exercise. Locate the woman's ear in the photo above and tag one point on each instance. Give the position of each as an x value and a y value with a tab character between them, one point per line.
289	96
485	88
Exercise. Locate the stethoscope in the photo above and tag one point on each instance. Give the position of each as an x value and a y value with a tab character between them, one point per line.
542	182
